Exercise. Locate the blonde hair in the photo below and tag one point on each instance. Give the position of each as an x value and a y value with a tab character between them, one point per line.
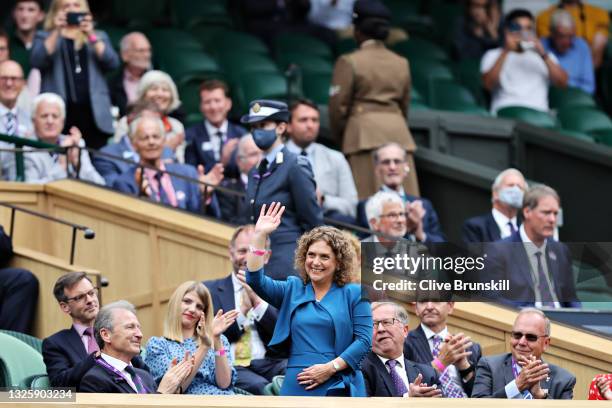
173	327
155	77
54	8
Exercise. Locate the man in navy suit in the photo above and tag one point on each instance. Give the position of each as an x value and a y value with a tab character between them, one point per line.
18	291
454	357
118	335
147	137
386	370
249	335
214	139
392	168
539	269
69	354
507	197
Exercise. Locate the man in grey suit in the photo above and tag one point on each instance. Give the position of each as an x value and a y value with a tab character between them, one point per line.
522	374
336	190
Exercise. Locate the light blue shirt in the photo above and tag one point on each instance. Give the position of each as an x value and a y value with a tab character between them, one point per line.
272	156
577	62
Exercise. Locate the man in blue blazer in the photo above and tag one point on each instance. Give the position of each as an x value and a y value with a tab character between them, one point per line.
386	370
69	353
392	168
459	357
538	268
214	140
507	197
256	320
148	140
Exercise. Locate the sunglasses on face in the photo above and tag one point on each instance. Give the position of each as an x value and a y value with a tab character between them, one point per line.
530	337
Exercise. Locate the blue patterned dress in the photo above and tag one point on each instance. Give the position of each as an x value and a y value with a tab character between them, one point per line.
160	352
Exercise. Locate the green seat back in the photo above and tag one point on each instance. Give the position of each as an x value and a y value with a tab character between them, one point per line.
293	42
577	135
263	85
39	382
424	71
603	136
139	12
188	12
236	42
559	98
166	41
188	63
531	116
235	64
584	119
307	63
19	362
31	341
419	49
467	72
446	94
345	45
316	87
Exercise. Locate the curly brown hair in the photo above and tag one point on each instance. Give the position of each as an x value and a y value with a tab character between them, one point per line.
341	247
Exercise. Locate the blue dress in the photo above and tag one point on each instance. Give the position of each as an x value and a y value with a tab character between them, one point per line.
160	351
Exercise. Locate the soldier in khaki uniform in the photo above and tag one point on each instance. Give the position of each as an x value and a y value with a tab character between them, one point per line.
369	99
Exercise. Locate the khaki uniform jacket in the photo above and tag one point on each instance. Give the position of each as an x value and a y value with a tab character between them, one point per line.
369	99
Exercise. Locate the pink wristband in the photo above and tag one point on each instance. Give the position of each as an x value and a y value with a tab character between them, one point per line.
220	353
439	364
257	252
92	38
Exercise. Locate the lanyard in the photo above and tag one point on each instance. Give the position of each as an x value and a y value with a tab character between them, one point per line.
137	380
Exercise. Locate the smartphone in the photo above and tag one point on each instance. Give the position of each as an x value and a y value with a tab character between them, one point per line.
74	19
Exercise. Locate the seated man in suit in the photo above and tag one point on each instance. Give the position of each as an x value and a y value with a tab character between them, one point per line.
386	370
336	189
110	168
253	328
69	353
522	373
538	268
214	139
453	356
421	219
233	206
507	197
18	291
147	135
118	335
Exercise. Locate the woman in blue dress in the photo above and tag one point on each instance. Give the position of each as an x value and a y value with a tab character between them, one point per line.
191	331
322	317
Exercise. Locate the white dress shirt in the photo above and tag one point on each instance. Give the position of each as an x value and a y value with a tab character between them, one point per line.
216	142
120	366
502	223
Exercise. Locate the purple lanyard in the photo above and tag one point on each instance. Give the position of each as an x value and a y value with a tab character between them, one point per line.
136	379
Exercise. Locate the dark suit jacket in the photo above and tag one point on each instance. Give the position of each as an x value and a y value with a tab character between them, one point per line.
233	207
6	248
507	259
494	372
222	292
481	228
378	380
117	92
67	360
416	348
100	380
188	193
431	224
198	147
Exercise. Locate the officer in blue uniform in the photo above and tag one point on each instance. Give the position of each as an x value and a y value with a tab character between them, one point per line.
283	177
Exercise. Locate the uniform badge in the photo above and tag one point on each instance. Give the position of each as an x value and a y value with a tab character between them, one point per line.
279	158
334	90
180	195
256	108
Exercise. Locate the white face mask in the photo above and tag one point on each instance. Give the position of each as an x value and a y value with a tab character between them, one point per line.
512	196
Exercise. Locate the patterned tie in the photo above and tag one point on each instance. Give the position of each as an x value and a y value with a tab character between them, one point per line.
243	345
135	379
91	341
163	197
543	287
449	387
400	386
512	229
10	123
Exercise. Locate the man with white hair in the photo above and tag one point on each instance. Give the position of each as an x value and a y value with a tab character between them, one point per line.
135	50
386	215
49	113
507	197
573	52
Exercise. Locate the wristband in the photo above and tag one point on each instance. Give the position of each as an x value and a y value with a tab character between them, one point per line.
92	38
220	353
436	362
257	252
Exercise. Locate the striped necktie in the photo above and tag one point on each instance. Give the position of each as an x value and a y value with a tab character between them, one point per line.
10	123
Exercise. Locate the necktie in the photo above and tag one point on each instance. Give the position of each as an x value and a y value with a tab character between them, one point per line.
10	123
512	229
449	387
163	197
135	379
543	287
400	386
263	166
243	345
91	341
217	152
303	152
515	370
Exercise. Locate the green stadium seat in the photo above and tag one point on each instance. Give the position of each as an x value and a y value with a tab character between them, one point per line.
307	63
603	136
115	34
220	41
189	13
268	389
316	85
18	362
527	115
561	97
423	71
263	85
138	13
293	42
166	41
420	49
584	119
31	341
577	135
417	106
467	72
345	45
447	94
39	382
277	383
187	63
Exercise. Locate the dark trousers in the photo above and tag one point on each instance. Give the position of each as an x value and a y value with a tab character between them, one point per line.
259	374
18	299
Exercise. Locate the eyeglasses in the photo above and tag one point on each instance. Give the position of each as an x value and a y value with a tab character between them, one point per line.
395	215
385	322
10	78
387	162
82	296
530	337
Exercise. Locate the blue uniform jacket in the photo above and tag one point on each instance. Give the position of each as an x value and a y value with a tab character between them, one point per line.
352	320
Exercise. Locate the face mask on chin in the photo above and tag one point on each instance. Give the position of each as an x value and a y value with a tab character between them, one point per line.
512	196
264	138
